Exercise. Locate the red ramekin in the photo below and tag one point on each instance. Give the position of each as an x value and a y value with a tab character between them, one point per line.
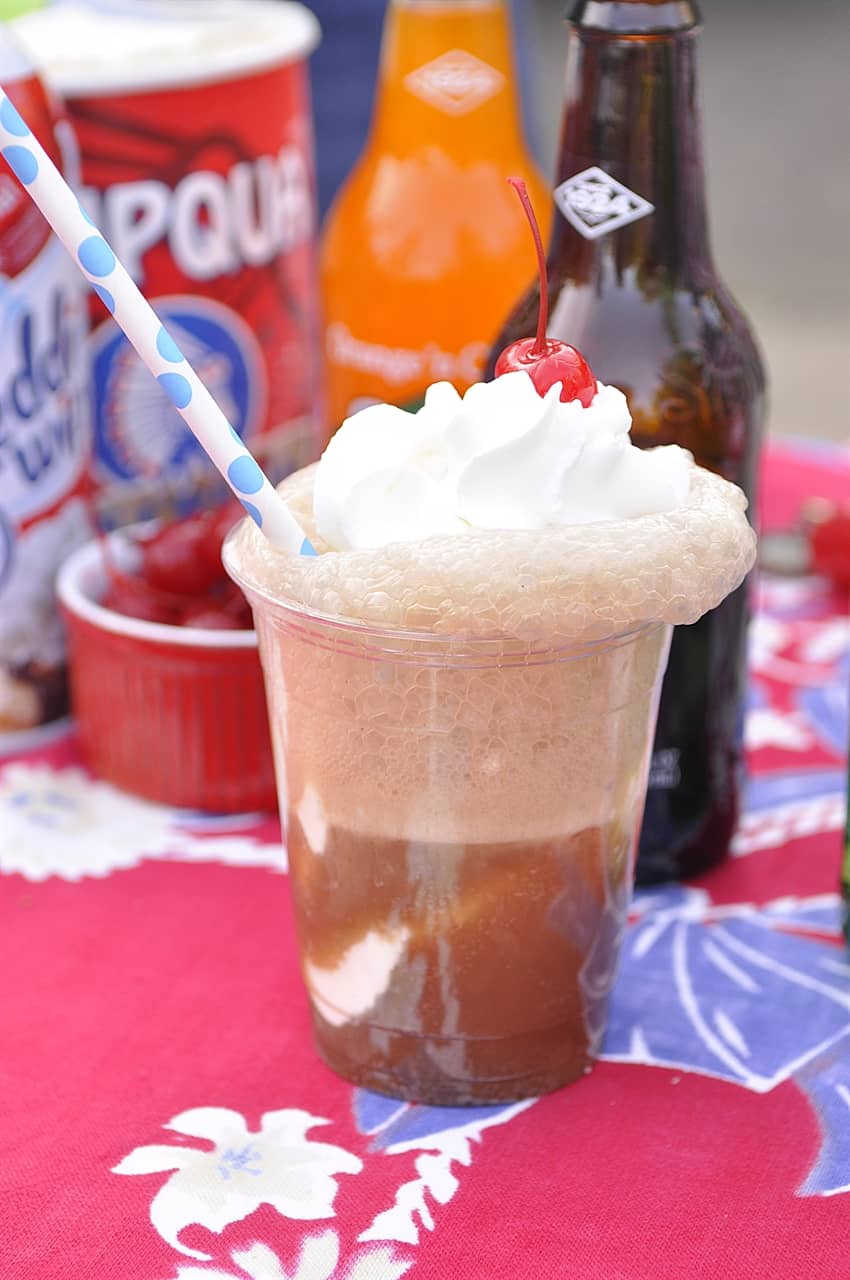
174	714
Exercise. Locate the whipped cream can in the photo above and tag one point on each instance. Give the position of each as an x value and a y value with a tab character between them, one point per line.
45	423
195	133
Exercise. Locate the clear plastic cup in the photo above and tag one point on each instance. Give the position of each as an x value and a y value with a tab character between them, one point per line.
461	818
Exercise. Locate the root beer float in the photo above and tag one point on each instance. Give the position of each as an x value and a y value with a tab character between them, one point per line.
462	688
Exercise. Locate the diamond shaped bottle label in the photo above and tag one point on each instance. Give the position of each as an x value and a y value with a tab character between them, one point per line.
595	203
457	82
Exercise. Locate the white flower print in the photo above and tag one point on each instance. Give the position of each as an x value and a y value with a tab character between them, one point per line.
768	728
318	1260
773	827
828	642
279	1166
61	822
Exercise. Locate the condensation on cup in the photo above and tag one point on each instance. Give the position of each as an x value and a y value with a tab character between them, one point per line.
195	132
45	422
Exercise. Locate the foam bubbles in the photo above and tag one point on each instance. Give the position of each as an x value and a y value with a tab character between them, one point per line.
573	584
514	723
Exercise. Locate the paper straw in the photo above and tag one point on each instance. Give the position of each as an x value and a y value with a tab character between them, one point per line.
112	284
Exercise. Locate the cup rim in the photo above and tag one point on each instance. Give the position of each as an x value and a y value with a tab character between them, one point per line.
79	604
296	35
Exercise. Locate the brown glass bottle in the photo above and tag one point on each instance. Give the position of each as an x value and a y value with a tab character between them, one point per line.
633	286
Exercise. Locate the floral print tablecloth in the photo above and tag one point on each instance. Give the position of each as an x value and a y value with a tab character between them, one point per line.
164	1117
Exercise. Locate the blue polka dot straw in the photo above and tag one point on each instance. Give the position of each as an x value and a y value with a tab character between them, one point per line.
109	280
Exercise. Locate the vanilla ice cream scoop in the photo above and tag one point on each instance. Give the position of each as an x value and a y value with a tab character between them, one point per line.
502	457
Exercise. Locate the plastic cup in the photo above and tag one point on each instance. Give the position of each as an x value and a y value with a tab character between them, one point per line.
461	819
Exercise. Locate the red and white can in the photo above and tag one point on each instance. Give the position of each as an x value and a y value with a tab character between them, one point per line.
45	428
195	133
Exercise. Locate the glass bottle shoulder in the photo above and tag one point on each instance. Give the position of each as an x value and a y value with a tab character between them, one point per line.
431	210
684	356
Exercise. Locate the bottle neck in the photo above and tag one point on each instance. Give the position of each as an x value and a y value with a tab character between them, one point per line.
446	77
632	110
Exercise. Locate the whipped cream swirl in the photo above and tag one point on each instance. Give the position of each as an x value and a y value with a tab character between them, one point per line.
501	457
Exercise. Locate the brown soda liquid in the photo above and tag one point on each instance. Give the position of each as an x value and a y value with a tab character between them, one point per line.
500	989
634	287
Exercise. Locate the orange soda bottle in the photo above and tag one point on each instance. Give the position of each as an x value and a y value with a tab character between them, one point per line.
426	248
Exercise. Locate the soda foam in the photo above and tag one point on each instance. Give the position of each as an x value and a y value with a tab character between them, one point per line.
568	584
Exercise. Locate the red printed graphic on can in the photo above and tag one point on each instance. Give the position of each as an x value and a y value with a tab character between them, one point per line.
206	194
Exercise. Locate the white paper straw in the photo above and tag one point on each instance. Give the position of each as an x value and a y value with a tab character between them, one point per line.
110	281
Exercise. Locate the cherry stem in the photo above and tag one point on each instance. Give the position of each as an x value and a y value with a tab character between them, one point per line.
539	348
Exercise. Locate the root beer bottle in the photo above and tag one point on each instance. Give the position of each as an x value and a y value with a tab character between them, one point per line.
634	287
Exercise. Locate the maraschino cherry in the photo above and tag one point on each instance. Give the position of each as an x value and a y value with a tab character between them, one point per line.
546	360
830	543
180	579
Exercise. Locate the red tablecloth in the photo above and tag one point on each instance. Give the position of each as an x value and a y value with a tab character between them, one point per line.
164	1117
